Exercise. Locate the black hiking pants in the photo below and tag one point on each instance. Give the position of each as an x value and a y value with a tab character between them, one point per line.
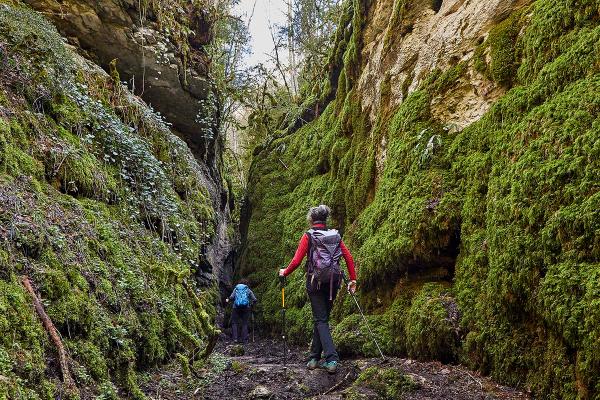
239	318
322	342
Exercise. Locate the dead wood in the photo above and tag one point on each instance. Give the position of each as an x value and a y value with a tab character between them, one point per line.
51	329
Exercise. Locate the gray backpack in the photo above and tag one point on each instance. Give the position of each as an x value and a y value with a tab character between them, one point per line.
324	255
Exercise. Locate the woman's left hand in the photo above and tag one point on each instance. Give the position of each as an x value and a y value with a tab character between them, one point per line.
282	272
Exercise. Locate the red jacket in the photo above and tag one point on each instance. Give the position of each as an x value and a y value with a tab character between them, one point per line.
303	249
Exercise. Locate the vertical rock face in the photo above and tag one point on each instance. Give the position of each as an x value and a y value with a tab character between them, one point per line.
460	158
119	226
404	41
160	53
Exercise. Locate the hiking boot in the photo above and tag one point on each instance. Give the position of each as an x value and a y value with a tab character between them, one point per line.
313	363
330	366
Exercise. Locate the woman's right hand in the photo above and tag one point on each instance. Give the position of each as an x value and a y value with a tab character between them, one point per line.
352	287
282	272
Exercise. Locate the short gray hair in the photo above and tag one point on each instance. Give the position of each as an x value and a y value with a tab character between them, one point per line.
318	214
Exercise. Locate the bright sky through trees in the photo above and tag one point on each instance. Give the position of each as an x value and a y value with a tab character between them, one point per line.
265	12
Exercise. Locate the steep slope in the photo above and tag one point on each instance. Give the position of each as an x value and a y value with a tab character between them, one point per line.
460	157
107	213
158	49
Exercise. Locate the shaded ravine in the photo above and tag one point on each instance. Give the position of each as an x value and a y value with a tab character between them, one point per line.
256	371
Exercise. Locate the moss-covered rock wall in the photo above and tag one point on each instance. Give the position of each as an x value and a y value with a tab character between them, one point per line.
158	48
476	234
109	215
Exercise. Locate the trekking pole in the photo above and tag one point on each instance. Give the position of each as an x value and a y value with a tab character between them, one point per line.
363	316
282	283
252	316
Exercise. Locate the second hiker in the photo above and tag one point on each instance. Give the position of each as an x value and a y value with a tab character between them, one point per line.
243	299
323	279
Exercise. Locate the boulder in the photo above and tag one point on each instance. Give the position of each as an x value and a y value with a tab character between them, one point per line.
261	392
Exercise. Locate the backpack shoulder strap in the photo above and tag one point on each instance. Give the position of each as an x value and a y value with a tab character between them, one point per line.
310	233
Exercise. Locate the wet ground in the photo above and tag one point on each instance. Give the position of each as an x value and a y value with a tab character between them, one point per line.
257	371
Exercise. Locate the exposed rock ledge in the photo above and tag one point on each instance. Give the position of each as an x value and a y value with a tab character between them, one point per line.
112	29
406	46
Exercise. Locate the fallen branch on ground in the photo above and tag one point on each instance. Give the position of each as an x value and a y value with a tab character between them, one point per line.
51	329
339	384
476	380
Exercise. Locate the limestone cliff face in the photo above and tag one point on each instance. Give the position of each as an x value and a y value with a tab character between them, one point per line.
161	57
460	158
121	228
404	41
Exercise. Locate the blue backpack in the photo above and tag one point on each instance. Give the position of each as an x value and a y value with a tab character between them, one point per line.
242	297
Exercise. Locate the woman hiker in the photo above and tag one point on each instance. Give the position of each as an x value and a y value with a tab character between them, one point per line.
323	279
243	299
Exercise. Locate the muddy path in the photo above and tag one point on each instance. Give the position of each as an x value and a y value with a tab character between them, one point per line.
256	371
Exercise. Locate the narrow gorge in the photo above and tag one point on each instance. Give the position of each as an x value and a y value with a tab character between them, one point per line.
457	143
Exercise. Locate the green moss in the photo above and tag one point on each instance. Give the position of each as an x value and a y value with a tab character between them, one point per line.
238	367
237	350
439	82
131	383
398	12
4	130
178	330
92	358
107	221
504	212
19	324
107	391
387	383
429	333
352	336
13	158
503	49
184	364
510	271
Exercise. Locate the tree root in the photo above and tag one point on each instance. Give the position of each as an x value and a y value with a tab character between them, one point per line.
51	329
210	346
203	355
337	385
213	333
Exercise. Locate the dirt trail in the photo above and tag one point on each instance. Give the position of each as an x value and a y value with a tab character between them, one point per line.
255	371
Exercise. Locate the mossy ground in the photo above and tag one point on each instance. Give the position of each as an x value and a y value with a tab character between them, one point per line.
387	383
104	209
502	216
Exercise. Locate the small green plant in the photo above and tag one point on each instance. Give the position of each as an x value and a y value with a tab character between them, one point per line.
238	367
388	383
237	350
